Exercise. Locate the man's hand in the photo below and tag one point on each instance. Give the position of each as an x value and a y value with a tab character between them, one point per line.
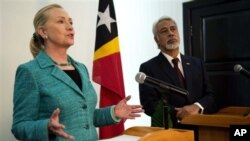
186	111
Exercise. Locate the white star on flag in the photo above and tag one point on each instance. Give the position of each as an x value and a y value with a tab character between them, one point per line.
105	19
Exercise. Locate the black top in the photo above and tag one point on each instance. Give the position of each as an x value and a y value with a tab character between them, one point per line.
75	77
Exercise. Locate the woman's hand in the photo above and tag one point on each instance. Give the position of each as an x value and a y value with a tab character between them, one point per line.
56	128
125	111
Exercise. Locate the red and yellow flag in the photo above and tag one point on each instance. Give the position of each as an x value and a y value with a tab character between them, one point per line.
107	67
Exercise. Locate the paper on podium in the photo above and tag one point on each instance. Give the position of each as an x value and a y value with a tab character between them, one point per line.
123	138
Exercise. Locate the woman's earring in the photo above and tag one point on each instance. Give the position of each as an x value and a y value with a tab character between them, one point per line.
45	37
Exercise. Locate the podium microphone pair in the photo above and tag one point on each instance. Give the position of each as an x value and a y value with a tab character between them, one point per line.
239	69
142	78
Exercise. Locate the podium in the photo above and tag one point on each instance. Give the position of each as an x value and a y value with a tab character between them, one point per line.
216	126
160	134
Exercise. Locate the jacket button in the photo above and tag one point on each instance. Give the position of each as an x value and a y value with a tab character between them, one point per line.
84	106
86	126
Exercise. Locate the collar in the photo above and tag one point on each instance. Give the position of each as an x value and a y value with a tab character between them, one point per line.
45	61
169	58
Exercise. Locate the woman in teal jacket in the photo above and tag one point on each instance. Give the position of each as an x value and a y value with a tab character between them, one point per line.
54	99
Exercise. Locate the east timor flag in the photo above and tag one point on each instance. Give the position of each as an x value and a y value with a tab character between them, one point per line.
107	66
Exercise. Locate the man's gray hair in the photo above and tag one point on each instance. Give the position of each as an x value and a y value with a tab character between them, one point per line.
164	18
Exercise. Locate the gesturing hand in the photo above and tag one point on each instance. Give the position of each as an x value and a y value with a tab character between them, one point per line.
56	128
123	110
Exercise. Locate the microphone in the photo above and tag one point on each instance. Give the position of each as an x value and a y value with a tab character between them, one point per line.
142	78
241	70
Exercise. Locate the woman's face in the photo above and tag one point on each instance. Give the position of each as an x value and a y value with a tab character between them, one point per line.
58	28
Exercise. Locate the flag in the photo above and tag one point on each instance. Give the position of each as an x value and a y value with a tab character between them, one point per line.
107	66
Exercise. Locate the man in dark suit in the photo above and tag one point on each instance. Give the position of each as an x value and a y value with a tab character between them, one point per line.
194	79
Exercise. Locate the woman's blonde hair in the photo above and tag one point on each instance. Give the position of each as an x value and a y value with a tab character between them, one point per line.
37	42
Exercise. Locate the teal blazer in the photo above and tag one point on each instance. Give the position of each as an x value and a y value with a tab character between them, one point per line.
41	87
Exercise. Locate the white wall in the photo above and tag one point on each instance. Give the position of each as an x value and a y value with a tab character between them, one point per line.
1	68
134	19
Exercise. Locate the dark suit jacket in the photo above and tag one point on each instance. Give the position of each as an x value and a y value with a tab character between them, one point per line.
196	80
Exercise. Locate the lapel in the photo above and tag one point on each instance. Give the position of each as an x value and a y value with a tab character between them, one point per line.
168	70
45	62
60	75
187	69
83	75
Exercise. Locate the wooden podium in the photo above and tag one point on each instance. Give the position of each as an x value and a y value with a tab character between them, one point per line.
215	127
160	134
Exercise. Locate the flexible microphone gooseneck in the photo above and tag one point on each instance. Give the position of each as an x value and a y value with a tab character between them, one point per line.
142	78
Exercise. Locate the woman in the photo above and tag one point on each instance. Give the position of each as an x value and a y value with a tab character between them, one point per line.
53	95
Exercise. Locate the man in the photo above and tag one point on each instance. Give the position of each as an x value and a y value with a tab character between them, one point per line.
200	98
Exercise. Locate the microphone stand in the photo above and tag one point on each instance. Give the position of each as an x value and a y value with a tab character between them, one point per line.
164	97
165	113
162	87
166	108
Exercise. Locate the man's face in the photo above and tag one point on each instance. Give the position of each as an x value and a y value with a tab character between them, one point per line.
167	36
